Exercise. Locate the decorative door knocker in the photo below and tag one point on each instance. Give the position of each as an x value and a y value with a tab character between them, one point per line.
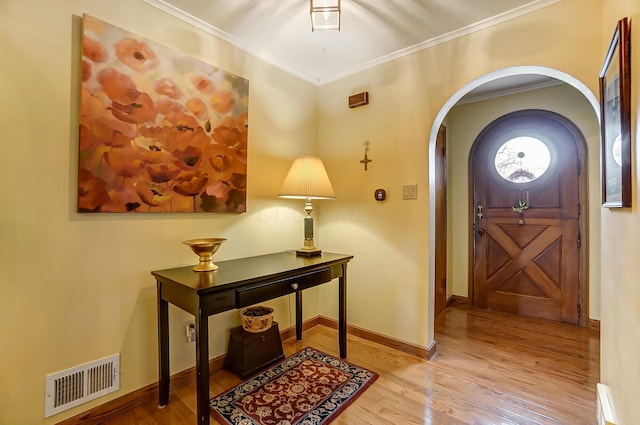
521	206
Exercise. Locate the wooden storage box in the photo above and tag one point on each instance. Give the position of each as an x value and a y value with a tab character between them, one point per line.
249	353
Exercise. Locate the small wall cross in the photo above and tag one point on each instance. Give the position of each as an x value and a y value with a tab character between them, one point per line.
366	159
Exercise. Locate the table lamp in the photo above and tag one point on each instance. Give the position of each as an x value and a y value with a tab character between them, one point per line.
307	179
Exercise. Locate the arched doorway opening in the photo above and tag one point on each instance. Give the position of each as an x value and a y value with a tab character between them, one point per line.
528	179
588	95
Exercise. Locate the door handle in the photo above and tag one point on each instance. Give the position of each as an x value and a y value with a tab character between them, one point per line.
479	209
481	232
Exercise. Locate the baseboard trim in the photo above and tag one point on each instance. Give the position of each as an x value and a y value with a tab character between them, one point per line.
115	407
457	300
594	324
405	347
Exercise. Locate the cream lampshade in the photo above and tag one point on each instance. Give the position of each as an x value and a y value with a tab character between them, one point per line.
307	179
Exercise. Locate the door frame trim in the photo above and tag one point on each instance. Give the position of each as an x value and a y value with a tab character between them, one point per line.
583	218
440	117
440	234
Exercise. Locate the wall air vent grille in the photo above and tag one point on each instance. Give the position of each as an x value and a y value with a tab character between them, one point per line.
359	99
75	386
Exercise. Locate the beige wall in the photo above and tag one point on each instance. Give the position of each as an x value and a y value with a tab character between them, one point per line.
390	290
77	287
465	124
620	338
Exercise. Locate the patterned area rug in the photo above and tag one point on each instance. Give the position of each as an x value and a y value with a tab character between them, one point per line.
308	388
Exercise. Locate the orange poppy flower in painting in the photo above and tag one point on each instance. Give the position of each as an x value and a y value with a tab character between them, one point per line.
239	180
92	193
151	194
203	85
220	157
222	102
88	140
94	50
198	108
230	137
241	156
122	198
136	55
238	122
149	150
164	137
220	163
191	184
119	87
220	190
167	87
92	106
188	158
111	132
169	107
86	70
162	173
123	165
176	115
139	111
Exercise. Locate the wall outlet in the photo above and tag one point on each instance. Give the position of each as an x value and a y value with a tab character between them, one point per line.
190	328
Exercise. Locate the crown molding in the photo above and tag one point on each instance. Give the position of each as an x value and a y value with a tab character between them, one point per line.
225	36
470	29
487	23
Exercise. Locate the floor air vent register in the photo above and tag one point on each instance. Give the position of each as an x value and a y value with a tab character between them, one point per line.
80	384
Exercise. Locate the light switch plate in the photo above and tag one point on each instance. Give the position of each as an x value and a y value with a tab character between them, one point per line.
410	191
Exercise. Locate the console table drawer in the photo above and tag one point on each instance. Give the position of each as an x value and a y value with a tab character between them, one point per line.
263	292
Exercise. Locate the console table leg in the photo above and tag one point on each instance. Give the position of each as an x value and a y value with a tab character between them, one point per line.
342	312
202	368
298	315
163	349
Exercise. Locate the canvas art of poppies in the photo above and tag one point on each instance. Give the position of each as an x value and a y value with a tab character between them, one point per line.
159	131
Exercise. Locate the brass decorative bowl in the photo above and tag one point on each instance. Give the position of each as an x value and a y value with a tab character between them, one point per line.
205	248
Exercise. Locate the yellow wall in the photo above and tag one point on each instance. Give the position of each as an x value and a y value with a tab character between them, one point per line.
389	277
620	335
77	287
465	124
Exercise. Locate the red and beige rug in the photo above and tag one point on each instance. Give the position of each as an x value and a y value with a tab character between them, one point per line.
309	388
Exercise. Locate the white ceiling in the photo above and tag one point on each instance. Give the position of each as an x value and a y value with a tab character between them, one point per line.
372	31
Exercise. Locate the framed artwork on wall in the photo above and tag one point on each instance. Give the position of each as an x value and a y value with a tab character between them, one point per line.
159	131
615	120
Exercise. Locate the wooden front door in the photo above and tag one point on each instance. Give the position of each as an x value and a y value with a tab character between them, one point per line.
525	176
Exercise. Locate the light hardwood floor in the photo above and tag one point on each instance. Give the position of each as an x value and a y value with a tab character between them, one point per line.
489	368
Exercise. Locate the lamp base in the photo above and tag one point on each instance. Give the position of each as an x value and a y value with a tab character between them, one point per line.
308	252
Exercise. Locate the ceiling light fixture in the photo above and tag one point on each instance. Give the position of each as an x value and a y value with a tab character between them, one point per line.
325	15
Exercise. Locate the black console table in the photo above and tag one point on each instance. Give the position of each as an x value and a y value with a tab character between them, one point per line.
236	284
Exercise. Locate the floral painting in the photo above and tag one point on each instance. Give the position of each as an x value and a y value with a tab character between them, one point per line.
159	131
